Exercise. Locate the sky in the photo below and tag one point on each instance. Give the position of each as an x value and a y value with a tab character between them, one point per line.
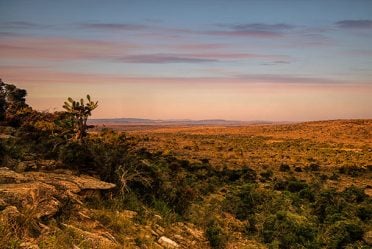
193	59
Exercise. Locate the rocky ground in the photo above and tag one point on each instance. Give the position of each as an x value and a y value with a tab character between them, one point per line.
42	205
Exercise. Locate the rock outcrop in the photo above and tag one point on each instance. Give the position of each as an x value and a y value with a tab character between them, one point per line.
45	192
36	197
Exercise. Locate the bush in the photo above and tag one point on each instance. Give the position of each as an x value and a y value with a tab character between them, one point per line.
312	167
266	175
298	169
331	206
289	230
76	156
296	186
352	170
284	168
243	202
354	194
307	194
364	212
292	185
215	235
328	206
341	233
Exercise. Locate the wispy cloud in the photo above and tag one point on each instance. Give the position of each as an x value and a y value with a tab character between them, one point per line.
113	26
261	30
200	46
273	63
45	76
253	29
163	58
289	79
355	24
258	27
249	33
21	25
195	57
57	48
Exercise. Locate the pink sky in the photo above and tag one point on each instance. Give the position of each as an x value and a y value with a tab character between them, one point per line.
241	60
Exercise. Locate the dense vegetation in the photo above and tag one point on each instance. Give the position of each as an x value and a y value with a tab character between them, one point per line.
274	207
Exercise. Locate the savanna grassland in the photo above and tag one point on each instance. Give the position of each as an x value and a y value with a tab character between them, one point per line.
282	186
328	146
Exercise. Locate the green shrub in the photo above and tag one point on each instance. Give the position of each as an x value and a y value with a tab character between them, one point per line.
352	170
354	194
312	167
242	202
364	212
307	194
280	184
215	235
284	168
266	175
289	230
298	169
328	205
76	156
341	233
296	186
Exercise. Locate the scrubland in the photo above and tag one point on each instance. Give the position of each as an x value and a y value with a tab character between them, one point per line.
302	185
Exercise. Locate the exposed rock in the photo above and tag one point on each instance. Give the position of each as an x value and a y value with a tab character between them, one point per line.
167	242
42	195
368	237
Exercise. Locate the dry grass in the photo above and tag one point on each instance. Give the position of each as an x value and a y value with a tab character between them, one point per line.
329	144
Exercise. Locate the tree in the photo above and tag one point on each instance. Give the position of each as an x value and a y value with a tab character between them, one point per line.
12	103
80	113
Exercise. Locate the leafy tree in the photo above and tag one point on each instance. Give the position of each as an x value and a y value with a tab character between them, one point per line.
80	113
12	103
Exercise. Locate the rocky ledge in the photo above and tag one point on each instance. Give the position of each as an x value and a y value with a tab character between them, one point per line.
36	197
45	192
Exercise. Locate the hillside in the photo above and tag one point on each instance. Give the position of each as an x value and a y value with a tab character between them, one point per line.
190	186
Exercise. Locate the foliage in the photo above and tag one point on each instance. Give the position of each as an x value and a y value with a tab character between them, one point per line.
243	202
216	235
289	230
12	104
341	233
80	113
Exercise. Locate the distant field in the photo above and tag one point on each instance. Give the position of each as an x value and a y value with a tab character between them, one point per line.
329	144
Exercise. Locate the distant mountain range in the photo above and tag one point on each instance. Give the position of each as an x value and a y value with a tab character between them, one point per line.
142	121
